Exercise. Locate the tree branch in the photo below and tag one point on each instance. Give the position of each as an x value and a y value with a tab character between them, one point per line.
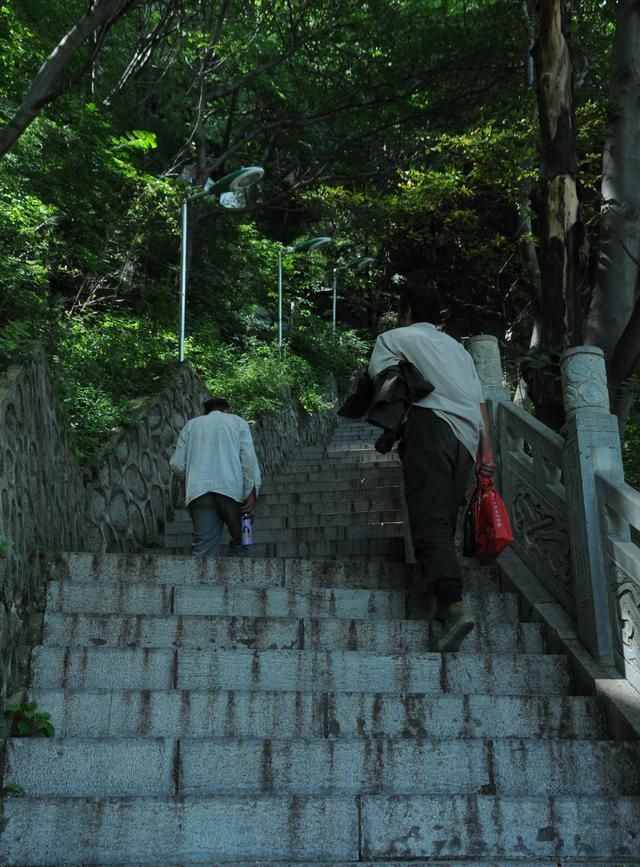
103	14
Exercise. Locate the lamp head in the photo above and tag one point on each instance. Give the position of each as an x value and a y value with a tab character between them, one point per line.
234	181
311	244
361	263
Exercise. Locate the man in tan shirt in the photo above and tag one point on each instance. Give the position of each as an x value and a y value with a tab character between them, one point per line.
442	436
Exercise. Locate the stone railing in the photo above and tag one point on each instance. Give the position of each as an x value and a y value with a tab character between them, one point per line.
570	507
531	483
621	508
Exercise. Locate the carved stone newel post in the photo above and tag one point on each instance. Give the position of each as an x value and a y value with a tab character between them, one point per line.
485	351
592	444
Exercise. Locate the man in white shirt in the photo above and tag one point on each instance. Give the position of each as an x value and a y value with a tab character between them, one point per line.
216	455
441	438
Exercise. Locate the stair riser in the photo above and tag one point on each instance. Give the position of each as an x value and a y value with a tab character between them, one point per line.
234	572
231	766
281	518
317	534
380	486
164	600
302	504
108	668
334	829
208	713
228	633
152	599
553	828
340	549
356	549
273	520
329	464
371	473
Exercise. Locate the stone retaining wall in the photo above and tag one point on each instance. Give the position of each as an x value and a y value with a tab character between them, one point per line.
42	499
129	488
120	502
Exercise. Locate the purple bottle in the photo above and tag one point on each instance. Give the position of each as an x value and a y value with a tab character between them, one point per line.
247	530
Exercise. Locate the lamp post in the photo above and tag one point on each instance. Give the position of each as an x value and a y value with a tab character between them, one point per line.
356	265
302	247
231	183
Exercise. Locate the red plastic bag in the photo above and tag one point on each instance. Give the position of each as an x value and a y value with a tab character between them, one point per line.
491	525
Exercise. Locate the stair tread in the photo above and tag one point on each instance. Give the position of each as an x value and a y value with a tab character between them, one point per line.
317	828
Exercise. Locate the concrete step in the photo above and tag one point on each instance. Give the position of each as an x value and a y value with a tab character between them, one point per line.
176	713
374	550
380	483
284	518
340	549
202	767
251	572
336	671
261	633
314	533
353	473
303	503
162	599
332	463
56	831
481	862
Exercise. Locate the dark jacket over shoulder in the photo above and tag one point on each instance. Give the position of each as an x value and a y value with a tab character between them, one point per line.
386	401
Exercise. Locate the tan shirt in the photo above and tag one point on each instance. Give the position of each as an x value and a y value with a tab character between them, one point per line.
215	452
457	392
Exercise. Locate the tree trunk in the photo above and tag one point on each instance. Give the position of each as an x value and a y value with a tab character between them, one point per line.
102	12
563	251
614	317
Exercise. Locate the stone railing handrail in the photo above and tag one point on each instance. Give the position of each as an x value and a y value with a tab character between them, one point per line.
569	505
545	444
620	498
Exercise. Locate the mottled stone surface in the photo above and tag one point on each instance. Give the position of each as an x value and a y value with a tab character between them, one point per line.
42	504
129	486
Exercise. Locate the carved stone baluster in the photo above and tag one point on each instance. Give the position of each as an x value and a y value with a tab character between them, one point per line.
485	351
592	444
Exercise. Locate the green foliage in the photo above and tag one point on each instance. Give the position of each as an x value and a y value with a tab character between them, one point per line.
17	342
4	548
28	722
12	790
631	445
104	362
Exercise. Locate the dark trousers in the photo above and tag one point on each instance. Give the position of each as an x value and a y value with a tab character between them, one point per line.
436	468
210	513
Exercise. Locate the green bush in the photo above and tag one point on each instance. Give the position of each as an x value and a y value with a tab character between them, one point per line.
105	362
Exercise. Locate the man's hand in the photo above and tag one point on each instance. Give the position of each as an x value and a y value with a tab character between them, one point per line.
486	466
249	505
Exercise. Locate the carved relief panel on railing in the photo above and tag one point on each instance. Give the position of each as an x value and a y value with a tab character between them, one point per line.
533	488
621	508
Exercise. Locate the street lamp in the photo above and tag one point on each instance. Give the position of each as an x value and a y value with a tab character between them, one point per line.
231	183
356	265
302	247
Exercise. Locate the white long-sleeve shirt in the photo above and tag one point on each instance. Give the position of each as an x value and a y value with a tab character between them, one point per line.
457	392
215	452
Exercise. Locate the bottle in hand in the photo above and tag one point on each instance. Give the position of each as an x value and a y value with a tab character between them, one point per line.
247	530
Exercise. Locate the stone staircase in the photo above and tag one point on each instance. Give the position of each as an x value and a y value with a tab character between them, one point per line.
274	710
